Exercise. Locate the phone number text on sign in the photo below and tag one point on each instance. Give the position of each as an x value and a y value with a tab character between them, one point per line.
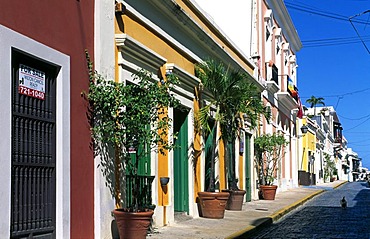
31	82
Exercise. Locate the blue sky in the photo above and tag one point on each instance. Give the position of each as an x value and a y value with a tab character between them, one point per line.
334	62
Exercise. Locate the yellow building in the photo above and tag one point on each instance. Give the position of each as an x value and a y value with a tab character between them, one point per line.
306	170
170	37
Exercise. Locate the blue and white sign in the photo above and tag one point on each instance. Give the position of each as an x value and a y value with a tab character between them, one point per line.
31	82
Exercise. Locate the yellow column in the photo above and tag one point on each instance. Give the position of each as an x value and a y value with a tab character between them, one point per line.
241	155
197	147
241	170
163	199
162	168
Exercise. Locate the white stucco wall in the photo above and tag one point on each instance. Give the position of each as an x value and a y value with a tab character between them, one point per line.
104	63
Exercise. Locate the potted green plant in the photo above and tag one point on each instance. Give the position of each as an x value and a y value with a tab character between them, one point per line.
268	153
313	101
335	174
232	95
128	122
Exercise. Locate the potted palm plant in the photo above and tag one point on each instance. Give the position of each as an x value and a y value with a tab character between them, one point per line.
128	122
231	95
268	153
313	101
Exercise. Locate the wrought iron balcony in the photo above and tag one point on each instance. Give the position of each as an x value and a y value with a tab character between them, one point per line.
144	195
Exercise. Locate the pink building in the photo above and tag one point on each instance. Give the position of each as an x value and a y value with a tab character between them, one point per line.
264	32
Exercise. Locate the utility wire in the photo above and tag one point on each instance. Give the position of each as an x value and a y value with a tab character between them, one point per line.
358	124
331	42
358	143
342	95
322	13
357	132
358	34
355	92
336	106
334	39
363	117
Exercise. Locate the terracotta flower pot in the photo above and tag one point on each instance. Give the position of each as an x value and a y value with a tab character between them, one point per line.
268	191
235	201
213	204
133	224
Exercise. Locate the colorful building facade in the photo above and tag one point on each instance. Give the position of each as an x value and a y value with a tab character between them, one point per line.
47	133
47	171
171	38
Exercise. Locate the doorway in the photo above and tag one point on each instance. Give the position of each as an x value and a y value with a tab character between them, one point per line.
33	153
181	162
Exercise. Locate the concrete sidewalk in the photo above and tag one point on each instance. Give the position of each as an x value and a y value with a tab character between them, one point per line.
254	214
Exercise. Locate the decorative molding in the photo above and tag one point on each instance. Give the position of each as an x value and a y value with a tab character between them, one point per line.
292	59
286	47
268	15
282	16
277	32
147	58
187	80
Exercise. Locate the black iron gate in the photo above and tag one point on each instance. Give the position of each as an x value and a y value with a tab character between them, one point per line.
33	147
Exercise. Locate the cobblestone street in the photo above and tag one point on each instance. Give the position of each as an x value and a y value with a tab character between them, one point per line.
323	216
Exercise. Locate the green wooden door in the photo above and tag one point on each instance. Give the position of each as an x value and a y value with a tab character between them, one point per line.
247	155
181	163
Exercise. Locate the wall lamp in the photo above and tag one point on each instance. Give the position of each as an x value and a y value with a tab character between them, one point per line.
304	130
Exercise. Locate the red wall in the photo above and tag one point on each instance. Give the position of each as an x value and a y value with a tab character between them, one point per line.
67	26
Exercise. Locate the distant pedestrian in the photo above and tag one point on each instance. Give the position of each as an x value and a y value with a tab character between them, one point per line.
343	202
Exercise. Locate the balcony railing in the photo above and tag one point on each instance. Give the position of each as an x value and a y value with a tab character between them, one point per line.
144	194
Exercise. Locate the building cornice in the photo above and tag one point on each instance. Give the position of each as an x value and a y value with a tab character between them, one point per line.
281	14
150	59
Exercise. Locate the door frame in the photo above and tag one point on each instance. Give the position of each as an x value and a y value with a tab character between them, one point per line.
10	39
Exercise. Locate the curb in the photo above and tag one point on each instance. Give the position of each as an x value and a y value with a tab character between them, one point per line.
275	216
340	184
279	214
